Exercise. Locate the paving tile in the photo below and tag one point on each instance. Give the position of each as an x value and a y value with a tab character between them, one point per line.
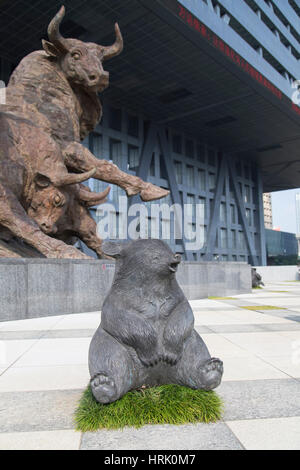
38	411
60	351
20	335
249	368
213	318
44	323
56	377
292	335
45	440
79	321
10	351
219	346
288	365
263	344
268	434
280	327
76	333
189	437
254	399
236	328
245	316
254	328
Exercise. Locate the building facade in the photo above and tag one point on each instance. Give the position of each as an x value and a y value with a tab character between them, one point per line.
282	247
268	215
203	101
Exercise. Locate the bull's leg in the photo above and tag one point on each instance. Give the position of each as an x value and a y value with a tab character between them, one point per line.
14	218
86	229
6	252
81	159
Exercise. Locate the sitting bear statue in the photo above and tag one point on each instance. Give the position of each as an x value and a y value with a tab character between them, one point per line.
146	335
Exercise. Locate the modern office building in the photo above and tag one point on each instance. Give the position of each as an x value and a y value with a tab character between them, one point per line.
268	215
282	247
202	101
297	198
297	201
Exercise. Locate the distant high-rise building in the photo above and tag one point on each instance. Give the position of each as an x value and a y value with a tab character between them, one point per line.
298	213
268	217
298	220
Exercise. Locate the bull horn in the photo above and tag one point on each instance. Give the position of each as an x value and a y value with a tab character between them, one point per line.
73	178
93	199
53	31
116	48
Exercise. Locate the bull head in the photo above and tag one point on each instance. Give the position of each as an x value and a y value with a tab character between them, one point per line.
50	204
81	62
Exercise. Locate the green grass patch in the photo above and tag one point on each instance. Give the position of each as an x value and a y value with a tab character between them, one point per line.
263	307
166	404
279	291
257	287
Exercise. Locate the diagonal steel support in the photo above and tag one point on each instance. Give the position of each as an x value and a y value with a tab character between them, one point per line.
241	209
214	219
169	164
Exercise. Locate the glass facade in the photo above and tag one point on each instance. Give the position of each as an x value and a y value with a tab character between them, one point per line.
196	180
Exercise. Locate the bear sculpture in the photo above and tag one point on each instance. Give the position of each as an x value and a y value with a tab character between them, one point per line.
146	335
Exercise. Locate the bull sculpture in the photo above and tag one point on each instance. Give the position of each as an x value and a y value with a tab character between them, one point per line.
51	105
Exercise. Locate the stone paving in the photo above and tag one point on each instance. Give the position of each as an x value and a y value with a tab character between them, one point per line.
43	371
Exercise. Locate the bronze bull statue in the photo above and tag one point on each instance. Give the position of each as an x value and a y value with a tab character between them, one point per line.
51	105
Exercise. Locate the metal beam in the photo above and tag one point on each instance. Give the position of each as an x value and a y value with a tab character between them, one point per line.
241	209
169	164
262	232
214	219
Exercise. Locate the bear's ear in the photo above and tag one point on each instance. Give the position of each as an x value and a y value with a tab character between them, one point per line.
113	249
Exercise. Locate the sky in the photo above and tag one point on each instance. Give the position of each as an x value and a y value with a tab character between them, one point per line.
284	210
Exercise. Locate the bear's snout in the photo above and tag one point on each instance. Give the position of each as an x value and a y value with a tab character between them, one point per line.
174	264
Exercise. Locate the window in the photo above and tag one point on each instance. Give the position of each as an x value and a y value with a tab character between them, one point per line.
212	181
223	238
133	126
133	158
201	153
248	216
211	157
178	172
190	176
162	166
177	144
232	212
247	194
189	148
115	152
241	240
190	200
97	145
223	213
233	239
202	209
201	180
152	166
115	119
